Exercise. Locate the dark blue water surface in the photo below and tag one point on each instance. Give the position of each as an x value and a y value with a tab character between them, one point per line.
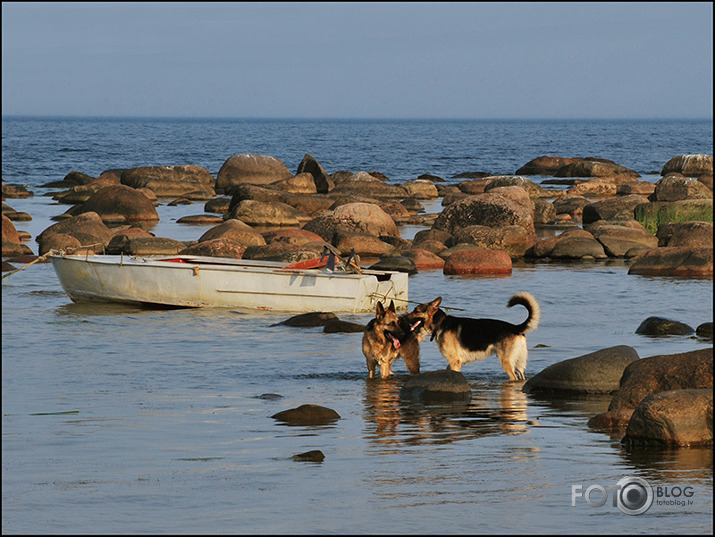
119	419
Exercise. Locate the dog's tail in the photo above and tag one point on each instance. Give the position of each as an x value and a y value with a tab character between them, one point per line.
532	306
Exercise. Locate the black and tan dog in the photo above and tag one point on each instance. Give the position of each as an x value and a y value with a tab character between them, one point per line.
462	340
386	338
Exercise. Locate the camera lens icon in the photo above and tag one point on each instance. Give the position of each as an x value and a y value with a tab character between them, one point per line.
635	495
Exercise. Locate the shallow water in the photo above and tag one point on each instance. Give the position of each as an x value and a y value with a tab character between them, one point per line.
124	419
118	419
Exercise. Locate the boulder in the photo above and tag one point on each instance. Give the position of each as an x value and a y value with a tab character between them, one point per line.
474	186
596	372
119	204
660	326
676	187
284	252
353	217
150	246
424	259
250	168
9	232
692	234
309	320
640	188
369	185
674	418
571	205
684	371
544	165
498	181
221	247
307	415
200	219
270	213
492	209
308	204
364	244
15	191
514	240
11	244
218	205
322	181
439	386
81	193
478	261
314	455
707	180
119	242
396	263
689	165
596	187
63	242
337	326
621	208
674	261
171	181
301	183
705	330
656	213
291	236
544	212
88	228
421	189
234	231
619	237
73	178
572	246
592	167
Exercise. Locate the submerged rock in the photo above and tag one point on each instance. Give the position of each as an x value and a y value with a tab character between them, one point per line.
659	326
439	386
307	415
310	319
314	455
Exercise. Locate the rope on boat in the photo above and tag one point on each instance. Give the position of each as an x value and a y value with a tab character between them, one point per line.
384	296
39	259
44	257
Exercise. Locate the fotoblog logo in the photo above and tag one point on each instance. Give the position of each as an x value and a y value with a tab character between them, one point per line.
632	495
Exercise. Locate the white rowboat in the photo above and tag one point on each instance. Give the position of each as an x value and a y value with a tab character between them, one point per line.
196	281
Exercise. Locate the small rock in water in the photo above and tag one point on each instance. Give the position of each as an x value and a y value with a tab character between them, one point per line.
333	326
314	318
658	326
269	396
307	415
310	456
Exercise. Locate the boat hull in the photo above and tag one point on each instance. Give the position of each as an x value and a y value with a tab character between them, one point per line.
195	281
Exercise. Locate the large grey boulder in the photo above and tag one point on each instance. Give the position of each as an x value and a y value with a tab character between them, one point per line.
596	372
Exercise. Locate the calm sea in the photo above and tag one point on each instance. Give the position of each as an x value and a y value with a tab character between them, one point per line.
119	419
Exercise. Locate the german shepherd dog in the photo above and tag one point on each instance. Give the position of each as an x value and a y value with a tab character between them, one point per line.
462	340
385	339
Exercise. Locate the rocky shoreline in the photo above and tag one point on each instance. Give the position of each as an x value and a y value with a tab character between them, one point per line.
259	209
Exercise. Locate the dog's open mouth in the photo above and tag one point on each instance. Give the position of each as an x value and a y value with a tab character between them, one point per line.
395	342
417	324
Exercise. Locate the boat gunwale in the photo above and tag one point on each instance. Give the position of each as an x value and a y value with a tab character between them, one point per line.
215	263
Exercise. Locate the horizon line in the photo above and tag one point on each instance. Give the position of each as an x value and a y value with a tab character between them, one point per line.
343	118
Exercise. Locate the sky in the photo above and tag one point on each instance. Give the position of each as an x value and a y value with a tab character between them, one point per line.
391	60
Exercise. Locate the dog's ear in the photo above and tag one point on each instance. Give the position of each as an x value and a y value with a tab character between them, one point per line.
435	303
392	306
379	310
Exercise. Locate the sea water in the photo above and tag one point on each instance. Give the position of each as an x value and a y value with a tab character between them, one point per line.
120	419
